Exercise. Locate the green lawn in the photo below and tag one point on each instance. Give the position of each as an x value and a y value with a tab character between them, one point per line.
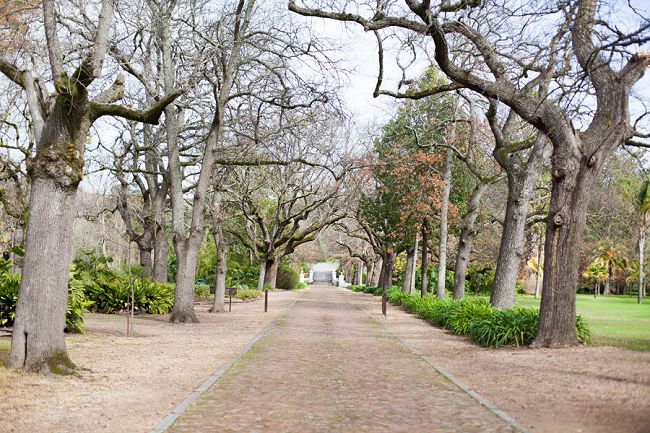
613	320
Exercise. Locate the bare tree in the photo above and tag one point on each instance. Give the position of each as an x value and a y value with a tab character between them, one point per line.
55	171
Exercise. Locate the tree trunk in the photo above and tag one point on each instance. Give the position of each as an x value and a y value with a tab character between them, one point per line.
442	255
406	284
271	272
160	256
414	267
608	279
387	271
538	280
382	275
425	258
220	280
572	179
641	252
262	276
358	280
467	233
55	172
38	342
376	277
186	255
511	249
145	260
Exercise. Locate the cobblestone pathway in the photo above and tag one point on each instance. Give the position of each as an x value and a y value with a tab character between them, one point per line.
328	367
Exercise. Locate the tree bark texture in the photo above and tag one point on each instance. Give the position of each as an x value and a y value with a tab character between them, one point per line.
425	258
406	284
467	233
641	253
220	280
358	275
145	261
38	342
511	248
376	277
262	276
444	209
55	173
161	256
271	272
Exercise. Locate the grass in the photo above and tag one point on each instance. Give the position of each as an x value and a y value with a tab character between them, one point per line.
614	320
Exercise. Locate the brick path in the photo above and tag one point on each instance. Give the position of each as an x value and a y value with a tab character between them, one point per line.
328	367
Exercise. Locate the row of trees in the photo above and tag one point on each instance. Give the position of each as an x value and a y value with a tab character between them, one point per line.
566	69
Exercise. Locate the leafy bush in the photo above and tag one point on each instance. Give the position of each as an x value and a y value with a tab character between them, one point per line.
287	277
584	334
466	311
301	286
109	291
475	318
479	280
244	294
148	296
514	327
377	291
77	305
202	292
9	285
240	275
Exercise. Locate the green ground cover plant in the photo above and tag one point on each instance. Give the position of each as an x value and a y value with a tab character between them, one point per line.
475	318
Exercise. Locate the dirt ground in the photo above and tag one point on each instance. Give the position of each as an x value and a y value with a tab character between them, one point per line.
582	389
131	383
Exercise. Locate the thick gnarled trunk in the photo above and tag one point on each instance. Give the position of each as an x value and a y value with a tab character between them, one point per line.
467	234
145	261
38	342
572	180
271	273
186	253
55	173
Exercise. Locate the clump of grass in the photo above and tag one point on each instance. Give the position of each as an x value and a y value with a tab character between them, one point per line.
475	318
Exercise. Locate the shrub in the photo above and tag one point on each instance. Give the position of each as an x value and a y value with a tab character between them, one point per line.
244	294
77	305
301	286
467	310
514	327
202	292
240	275
287	278
9	285
475	318
584	334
